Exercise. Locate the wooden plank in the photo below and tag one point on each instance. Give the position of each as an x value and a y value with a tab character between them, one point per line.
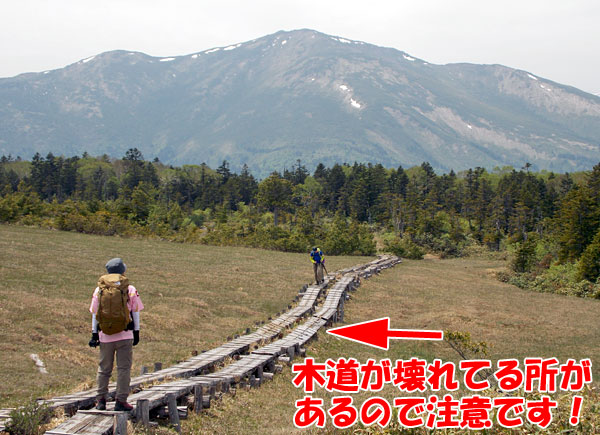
85	424
5	413
144	394
70	425
57	432
90	423
100	426
179	391
98	412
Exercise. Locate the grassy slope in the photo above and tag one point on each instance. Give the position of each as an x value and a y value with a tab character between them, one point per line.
456	294
195	297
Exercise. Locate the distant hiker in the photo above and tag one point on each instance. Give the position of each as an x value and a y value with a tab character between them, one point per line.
318	258
115	310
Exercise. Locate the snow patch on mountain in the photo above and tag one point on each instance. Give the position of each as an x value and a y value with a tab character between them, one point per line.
345	41
231	47
88	59
411	59
166	59
355	103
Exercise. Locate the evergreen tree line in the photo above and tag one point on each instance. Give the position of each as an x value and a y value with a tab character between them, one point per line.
545	218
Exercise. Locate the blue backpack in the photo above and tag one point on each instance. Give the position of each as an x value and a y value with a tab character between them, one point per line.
316	255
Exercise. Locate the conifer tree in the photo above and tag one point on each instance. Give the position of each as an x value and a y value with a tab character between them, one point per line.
359	201
275	194
333	186
134	164
525	255
588	266
575	224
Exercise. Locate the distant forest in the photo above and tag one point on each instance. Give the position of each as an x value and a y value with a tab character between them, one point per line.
547	223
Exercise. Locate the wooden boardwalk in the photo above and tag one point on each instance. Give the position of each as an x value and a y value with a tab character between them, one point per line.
245	360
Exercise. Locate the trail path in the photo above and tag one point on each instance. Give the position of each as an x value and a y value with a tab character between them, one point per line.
246	360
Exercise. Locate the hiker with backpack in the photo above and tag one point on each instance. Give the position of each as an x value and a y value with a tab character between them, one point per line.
115	309
318	260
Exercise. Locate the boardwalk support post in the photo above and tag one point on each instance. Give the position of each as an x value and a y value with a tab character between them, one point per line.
120	424
197	398
142	411
173	412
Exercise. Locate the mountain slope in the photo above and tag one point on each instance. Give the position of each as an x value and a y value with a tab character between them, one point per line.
300	94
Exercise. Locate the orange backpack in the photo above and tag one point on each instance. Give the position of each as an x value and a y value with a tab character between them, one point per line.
113	295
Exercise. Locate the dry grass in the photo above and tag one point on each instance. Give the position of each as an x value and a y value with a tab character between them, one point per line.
458	294
195	297
462	294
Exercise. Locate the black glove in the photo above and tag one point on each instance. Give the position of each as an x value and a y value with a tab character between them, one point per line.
95	340
136	337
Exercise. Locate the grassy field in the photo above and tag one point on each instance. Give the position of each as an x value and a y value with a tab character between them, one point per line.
459	295
195	297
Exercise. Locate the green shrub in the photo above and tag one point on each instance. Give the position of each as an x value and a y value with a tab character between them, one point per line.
338	239
28	419
447	248
197	218
404	247
492	239
443	244
395	246
560	279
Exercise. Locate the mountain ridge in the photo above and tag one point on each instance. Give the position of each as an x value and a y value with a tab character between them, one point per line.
300	94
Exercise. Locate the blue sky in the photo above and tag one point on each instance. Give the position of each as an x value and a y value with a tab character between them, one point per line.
558	40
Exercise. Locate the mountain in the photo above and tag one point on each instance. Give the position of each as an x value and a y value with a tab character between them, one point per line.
300	95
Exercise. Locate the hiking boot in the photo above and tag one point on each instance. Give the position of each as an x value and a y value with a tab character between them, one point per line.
123	406
101	405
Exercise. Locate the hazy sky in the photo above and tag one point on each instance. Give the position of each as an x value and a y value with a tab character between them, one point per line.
555	39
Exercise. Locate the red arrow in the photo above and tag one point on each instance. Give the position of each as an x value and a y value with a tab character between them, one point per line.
377	333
